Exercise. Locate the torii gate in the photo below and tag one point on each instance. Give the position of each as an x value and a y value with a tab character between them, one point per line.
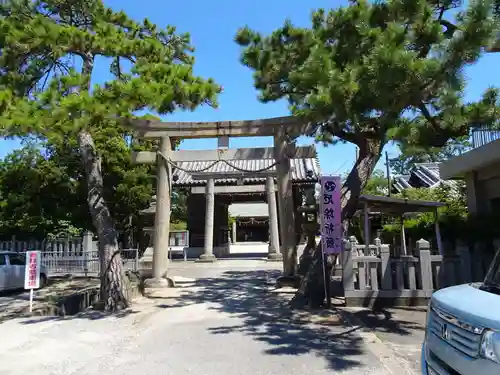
283	129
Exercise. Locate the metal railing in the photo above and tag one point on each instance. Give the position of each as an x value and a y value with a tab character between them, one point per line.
86	263
482	136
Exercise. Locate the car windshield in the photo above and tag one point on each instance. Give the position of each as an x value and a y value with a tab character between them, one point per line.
493	276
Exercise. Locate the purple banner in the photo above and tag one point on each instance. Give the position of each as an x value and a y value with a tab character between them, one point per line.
330	214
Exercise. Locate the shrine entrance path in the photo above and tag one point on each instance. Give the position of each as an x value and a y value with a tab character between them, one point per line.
234	322
223	319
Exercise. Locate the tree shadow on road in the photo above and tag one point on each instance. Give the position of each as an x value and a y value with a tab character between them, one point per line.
265	316
398	321
89	315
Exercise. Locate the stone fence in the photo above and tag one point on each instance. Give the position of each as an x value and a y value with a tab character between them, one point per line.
371	276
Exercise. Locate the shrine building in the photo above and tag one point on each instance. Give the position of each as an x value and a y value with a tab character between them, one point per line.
241	205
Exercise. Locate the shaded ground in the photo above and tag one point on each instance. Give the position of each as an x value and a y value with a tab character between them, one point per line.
401	329
219	321
15	304
265	317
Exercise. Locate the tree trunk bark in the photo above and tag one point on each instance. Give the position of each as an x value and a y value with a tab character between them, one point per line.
368	157
114	282
312	289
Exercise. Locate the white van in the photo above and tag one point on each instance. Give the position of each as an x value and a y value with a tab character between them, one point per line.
12	270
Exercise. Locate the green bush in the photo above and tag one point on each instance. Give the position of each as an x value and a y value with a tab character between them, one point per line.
453	217
454	220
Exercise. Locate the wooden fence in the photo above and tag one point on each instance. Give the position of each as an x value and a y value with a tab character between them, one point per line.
373	277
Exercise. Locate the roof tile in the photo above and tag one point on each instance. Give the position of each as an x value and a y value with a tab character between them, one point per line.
300	167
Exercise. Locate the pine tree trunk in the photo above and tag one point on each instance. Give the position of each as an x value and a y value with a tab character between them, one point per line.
312	289
114	282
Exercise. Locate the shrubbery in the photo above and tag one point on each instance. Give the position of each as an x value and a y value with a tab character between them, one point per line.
454	220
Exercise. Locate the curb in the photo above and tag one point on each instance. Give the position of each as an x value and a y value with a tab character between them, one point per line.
386	355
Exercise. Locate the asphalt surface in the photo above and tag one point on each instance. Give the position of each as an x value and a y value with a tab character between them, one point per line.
222	319
401	329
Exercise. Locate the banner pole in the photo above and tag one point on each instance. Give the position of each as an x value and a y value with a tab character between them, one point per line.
31	300
323	260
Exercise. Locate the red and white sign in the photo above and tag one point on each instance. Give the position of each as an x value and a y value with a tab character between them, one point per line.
32	270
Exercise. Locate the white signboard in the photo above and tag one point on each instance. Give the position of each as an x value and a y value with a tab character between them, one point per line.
32	270
179	238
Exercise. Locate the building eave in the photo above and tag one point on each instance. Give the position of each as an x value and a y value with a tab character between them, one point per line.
458	166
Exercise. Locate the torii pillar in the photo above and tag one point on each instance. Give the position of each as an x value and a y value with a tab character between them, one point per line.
162	216
282	151
274	239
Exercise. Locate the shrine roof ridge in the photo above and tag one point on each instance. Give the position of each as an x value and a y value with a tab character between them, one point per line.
302	170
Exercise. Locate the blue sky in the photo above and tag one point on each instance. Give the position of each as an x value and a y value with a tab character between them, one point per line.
212	25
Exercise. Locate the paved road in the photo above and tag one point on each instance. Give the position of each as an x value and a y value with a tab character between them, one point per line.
225	321
401	329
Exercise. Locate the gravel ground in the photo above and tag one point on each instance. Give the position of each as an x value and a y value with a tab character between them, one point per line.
221	321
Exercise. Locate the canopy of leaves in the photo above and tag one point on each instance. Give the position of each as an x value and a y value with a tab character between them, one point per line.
43	192
44	91
377	184
385	70
453	216
31	187
48	52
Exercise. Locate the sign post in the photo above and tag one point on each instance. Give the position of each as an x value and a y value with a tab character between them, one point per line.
178	241
330	221
32	273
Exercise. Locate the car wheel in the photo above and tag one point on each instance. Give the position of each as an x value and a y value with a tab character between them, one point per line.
43	281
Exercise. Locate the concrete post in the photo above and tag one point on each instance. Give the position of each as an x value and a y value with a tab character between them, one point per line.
87	250
403	237
353	243
208	254
285	204
274	242
234	231
348	275
424	253
378	243
162	216
367	235
385	258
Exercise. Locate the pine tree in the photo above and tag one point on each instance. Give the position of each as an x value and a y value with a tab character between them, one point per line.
370	73
374	72
49	51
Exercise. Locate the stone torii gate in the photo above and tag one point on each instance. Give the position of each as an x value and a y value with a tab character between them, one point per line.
283	129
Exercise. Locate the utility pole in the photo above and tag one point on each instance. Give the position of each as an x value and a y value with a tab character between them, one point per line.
388	171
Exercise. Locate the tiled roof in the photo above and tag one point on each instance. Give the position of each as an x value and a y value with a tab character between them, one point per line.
432	167
401	182
300	167
422	175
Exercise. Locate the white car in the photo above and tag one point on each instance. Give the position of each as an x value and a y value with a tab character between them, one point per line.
12	270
